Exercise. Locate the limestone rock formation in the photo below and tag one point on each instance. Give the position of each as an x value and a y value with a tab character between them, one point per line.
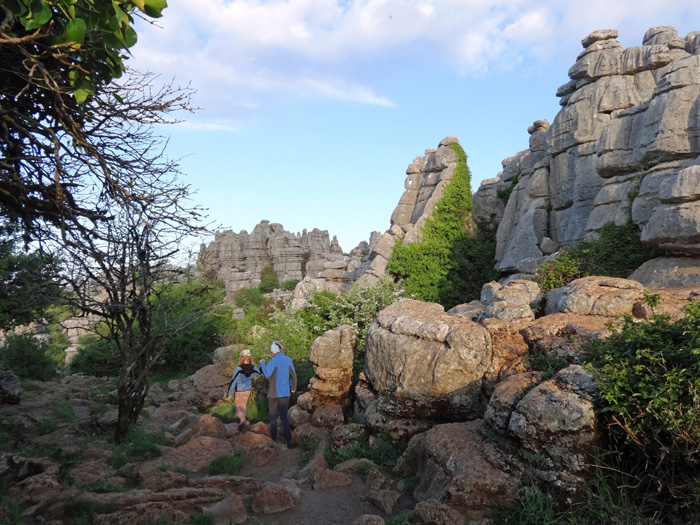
426	177
332	355
238	258
624	147
430	363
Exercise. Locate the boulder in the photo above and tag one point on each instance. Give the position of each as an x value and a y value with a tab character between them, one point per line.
273	499
194	455
229	510
384	499
506	396
209	426
10	388
603	296
259	449
326	479
458	465
328	416
432	512
426	363
332	356
668	272
556	419
517	291
209	384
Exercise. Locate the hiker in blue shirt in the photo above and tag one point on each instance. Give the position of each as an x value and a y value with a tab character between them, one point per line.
283	383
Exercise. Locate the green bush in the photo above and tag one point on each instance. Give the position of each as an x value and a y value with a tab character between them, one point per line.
227	465
268	280
450	263
27	358
190	344
290	284
616	253
248	297
137	444
297	329
505	193
649	402
97	357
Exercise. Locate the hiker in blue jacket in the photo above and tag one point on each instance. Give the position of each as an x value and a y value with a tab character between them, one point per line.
283	383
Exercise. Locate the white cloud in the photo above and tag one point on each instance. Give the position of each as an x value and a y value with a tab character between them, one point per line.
242	54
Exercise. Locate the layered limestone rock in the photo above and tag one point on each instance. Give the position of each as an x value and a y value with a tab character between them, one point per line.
426	177
624	147
238	258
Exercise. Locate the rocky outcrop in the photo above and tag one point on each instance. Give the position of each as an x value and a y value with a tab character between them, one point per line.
624	147
459	465
425	363
238	258
426	177
10	388
332	355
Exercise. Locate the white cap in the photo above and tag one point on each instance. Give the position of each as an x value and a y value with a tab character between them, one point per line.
275	347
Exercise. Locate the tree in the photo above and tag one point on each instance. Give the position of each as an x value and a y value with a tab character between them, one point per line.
56	55
82	172
27	281
118	259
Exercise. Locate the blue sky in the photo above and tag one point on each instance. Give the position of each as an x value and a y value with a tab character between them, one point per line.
311	110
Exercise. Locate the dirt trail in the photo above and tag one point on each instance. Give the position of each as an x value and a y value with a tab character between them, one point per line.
331	506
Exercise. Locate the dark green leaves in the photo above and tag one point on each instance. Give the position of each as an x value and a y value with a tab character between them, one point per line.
76	29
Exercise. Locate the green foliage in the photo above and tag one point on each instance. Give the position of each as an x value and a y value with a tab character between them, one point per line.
225	412
103	487
227	465
559	272
28	285
197	518
450	263
248	297
44	426
356	307
86	37
63	410
290	284
534	508
403	518
137	444
83	512
505	193
471	264
26	357
384	453
548	364
649	401
268	280
190	344
96	356
616	253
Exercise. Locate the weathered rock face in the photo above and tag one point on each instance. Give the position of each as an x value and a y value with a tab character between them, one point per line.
10	388
624	147
426	177
556	420
431	363
332	355
238	258
457	464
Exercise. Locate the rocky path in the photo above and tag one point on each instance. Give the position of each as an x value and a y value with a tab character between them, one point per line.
72	460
